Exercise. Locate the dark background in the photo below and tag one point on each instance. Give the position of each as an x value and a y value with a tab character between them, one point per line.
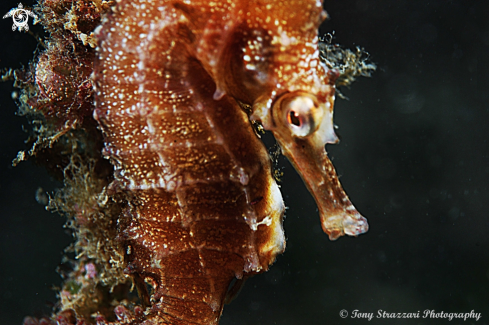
413	158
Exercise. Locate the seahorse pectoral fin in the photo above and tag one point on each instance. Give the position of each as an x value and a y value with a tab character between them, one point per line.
337	213
234	289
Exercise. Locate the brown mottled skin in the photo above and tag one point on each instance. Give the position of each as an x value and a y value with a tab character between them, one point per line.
202	207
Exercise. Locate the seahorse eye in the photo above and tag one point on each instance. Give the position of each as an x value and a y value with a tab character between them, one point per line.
302	115
294	118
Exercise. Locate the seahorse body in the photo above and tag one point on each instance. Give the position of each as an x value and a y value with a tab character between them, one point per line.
202	207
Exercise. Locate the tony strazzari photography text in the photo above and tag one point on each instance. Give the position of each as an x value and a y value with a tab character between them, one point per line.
428	313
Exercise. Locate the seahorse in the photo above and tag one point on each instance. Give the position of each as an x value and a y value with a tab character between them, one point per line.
179	85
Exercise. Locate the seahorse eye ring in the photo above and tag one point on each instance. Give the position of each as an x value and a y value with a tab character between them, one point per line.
299	112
